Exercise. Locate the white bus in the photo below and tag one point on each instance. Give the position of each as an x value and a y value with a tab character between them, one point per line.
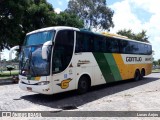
59	59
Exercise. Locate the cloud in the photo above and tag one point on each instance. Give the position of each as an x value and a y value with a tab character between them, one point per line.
148	5
57	10
126	16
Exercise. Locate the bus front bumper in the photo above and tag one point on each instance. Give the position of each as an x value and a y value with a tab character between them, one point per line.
43	89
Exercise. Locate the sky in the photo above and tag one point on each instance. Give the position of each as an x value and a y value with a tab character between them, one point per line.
136	15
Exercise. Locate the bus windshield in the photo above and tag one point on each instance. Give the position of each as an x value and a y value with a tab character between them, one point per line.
31	61
39	38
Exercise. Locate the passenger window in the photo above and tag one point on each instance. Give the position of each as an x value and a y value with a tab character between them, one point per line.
112	45
124	46
84	42
133	47
99	44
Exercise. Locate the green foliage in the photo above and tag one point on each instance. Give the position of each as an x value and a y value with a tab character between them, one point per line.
66	19
94	13
155	63
10	17
18	17
158	61
141	36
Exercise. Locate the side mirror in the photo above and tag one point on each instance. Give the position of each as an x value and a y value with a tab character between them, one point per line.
11	51
44	49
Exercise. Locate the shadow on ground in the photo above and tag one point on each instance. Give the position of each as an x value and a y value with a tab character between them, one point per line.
73	100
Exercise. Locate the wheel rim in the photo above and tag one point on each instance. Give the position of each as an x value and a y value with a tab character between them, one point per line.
84	84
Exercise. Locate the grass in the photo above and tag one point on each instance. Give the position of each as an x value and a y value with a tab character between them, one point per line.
156	71
7	73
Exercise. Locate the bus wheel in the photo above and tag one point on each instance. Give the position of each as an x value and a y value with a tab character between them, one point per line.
142	73
137	75
83	85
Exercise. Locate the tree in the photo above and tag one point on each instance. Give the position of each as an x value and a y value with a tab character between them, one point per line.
66	19
158	62
10	68
141	36
4	60
10	19
155	63
18	17
94	13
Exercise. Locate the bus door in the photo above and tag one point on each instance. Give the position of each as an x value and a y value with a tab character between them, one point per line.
62	67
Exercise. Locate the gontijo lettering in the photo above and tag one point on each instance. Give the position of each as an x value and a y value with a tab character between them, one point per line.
133	59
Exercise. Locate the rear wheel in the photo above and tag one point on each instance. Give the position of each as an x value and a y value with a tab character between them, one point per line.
137	75
83	85
142	73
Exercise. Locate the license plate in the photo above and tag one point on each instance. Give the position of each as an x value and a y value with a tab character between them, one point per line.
29	88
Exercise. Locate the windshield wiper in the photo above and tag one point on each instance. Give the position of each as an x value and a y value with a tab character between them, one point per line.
24	66
29	65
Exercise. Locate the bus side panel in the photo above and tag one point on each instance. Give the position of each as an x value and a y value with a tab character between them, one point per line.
108	66
115	67
86	64
127	64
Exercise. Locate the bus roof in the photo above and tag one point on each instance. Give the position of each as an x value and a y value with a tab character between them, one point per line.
111	35
86	31
53	28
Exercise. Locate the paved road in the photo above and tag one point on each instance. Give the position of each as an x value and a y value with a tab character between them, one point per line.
141	95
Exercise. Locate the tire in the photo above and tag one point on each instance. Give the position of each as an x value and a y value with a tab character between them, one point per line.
83	85
142	73
137	75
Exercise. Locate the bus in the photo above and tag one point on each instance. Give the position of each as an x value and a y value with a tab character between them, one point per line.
59	59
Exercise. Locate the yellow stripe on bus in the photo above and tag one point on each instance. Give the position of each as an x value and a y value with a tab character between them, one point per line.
37	78
127	71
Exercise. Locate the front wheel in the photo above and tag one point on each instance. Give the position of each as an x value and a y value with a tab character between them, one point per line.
83	85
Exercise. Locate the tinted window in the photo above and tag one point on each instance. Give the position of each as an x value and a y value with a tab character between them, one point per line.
149	50
63	50
84	42
99	44
95	43
133	47
142	49
112	45
124	46
130	47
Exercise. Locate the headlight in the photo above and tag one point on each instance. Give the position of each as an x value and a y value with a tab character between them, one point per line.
43	83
